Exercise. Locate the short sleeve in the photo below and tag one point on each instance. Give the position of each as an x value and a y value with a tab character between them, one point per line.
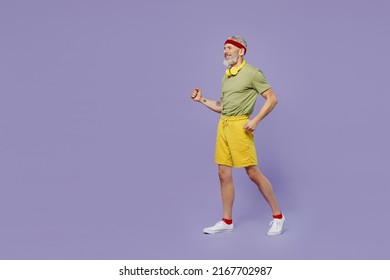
259	82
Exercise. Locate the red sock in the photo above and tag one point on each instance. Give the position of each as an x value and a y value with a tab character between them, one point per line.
227	221
279	216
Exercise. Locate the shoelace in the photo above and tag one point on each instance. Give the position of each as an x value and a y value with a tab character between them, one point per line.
277	222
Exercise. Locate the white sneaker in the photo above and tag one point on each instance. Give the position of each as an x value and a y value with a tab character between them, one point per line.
276	226
221	226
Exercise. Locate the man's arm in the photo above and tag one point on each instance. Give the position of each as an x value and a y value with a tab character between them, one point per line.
269	105
214	105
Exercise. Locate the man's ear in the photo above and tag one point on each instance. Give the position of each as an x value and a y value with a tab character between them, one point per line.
241	52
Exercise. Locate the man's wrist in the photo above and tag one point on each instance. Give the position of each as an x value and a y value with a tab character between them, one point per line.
257	119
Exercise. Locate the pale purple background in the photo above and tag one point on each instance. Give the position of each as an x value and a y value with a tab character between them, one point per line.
104	156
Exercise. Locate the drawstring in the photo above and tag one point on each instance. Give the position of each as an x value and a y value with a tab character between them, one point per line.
227	119
225	122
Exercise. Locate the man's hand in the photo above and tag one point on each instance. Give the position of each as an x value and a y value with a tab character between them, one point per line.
250	126
213	105
196	94
268	106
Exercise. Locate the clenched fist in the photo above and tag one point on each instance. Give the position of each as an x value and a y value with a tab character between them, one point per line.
196	94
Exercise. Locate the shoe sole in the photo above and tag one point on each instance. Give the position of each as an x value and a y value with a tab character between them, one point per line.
217	231
276	233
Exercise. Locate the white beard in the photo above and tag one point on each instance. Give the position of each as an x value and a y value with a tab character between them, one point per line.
231	61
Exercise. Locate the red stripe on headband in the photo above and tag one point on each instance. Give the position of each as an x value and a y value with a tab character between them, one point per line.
235	43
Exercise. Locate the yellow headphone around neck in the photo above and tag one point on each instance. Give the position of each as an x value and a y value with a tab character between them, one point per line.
234	70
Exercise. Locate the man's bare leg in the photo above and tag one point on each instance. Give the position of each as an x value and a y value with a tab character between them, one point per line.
264	186
227	193
225	174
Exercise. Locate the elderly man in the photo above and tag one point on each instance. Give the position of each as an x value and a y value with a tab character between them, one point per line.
235	147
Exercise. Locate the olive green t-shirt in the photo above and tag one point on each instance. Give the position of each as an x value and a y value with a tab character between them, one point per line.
239	93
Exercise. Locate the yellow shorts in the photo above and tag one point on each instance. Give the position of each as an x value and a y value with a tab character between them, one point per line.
235	146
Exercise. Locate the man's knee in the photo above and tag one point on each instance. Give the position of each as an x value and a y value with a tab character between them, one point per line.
253	172
224	173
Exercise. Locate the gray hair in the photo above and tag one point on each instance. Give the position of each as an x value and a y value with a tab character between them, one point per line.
239	39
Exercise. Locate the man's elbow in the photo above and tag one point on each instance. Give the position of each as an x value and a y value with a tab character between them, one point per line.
274	101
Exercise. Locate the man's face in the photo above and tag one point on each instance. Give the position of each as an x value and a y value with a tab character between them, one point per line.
231	54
